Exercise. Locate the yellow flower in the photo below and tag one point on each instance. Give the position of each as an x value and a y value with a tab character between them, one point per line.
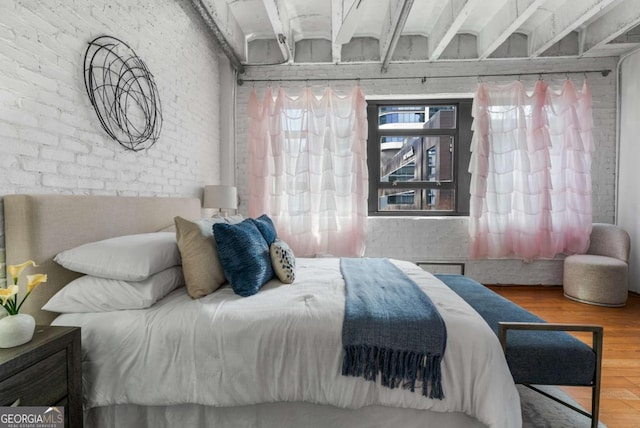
16	270
9	295
34	280
6	293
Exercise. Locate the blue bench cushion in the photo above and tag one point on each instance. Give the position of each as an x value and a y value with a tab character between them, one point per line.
534	357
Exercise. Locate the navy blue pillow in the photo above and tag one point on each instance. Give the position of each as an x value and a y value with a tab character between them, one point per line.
244	256
266	227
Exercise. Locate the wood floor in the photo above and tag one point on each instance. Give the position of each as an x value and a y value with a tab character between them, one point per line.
620	395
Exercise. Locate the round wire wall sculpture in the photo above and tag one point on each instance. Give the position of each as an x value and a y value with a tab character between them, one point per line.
123	93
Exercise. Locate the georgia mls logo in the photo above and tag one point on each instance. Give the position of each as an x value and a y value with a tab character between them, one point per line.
31	417
53	409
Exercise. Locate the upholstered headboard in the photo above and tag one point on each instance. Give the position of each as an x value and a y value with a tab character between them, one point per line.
38	227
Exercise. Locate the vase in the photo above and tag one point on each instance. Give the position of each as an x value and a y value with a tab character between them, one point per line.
16	330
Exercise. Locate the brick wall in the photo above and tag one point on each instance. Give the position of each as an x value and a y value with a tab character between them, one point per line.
50	138
445	239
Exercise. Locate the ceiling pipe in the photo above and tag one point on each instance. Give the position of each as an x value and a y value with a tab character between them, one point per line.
218	35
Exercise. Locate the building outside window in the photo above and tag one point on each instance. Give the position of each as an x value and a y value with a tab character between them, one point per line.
418	154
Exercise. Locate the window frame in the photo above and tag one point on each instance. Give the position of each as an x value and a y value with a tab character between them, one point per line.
462	135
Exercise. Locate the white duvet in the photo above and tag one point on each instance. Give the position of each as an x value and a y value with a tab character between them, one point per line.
282	344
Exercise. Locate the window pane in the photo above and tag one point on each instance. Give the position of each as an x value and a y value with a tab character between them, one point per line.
439	158
417	117
416	200
418	159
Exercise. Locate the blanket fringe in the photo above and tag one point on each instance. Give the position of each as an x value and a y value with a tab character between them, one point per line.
396	368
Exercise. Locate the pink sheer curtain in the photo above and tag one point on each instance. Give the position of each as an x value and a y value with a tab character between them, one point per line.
530	171
308	169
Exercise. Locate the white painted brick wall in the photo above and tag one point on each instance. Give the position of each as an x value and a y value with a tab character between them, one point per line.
445	238
50	138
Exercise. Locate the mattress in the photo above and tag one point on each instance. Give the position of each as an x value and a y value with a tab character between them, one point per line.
282	345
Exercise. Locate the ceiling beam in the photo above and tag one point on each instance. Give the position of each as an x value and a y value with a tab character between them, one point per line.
614	23
504	23
279	28
567	18
448	24
350	20
394	22
336	21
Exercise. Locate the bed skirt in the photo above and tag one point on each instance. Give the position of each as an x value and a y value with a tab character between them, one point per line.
271	415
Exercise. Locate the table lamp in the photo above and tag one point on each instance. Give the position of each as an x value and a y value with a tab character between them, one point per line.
220	197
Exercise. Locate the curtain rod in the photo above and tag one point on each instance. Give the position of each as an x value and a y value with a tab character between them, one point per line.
423	79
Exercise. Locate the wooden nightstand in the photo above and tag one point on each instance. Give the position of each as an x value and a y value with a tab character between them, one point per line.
45	372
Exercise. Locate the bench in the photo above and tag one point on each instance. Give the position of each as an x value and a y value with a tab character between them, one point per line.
537	352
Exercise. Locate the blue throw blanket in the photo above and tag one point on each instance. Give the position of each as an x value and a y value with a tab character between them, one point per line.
390	327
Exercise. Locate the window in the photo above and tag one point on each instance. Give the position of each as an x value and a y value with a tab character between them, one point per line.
418	155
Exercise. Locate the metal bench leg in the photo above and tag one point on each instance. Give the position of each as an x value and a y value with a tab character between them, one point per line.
597	376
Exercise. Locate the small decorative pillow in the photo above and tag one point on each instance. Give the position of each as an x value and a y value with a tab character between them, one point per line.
283	261
244	255
127	258
93	294
266	227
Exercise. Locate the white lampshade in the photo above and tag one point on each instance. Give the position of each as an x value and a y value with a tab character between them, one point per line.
220	197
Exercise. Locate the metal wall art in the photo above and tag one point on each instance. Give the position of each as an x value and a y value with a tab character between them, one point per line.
123	93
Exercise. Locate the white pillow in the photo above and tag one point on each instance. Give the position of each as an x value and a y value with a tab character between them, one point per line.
93	294
128	258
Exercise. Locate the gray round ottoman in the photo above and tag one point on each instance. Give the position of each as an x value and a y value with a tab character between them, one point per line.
600	277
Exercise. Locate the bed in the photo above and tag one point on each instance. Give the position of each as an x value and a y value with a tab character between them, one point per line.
272	359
